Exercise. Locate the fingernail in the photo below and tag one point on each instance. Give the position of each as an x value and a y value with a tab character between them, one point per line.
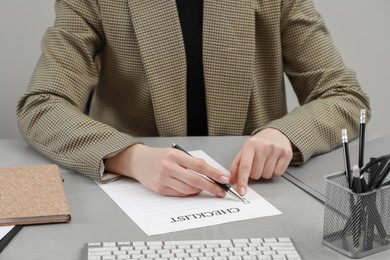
221	194
224	179
242	191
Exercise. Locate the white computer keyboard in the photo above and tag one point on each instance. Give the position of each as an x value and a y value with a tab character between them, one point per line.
237	249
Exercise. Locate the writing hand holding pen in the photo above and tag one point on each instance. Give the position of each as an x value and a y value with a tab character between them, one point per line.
225	186
165	171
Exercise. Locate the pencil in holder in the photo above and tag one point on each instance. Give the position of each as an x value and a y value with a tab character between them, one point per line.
356	224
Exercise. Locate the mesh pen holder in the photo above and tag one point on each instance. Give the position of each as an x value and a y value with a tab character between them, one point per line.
356	224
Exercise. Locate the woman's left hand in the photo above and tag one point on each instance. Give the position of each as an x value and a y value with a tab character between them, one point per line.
264	155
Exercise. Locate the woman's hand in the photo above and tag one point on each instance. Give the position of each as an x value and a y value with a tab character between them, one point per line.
265	154
166	171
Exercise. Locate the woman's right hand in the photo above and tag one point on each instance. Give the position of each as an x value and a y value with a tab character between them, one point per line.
166	171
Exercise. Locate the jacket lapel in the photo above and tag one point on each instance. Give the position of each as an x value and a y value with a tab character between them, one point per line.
157	27
228	56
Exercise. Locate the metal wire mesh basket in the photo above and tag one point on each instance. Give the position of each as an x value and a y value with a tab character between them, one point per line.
356	225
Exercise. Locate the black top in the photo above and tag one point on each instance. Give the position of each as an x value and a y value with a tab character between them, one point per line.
191	20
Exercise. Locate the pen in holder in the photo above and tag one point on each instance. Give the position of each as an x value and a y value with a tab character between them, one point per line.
356	224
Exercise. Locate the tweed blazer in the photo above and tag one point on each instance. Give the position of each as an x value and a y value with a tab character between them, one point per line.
139	87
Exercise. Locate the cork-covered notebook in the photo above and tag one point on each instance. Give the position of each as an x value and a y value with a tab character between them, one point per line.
32	195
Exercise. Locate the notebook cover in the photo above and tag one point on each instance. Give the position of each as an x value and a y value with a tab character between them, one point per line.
32	195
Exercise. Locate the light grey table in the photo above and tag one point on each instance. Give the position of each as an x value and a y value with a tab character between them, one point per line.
95	217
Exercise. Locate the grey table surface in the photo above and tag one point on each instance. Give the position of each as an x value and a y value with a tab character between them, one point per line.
95	217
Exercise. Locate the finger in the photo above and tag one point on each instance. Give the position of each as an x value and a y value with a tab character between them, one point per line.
170	186
245	168
180	185
188	182
277	162
167	179
234	169
190	176
269	167
257	166
201	166
281	165
199	181
166	191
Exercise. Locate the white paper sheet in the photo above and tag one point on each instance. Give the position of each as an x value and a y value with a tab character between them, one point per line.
156	214
4	230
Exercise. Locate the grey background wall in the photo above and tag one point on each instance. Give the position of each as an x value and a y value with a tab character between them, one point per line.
22	25
360	29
